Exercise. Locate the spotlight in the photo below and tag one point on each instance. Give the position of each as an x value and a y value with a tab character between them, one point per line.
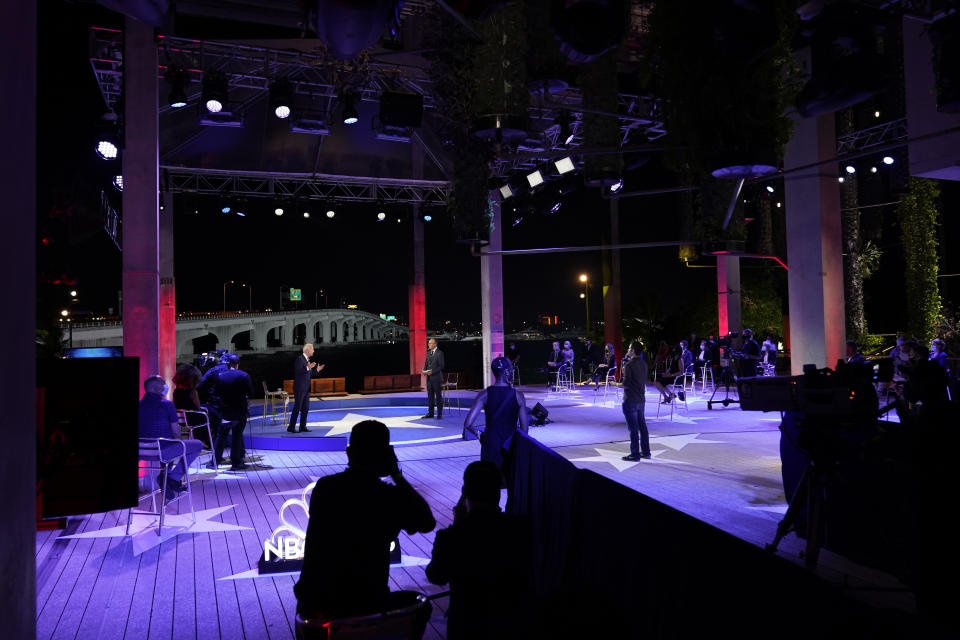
535	179
350	114
331	213
506	191
107	149
278	211
225	209
769	189
568	140
118	183
306	214
873	169
850	169
840	179
564	165
616	186
178	79
582	296
876	114
556	207
779	204
427	217
214	91
281	98
241	214
888	160
64	313
381	216
565	133
73	293
518	220
399	220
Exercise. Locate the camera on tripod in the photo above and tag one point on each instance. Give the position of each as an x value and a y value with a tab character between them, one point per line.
208	360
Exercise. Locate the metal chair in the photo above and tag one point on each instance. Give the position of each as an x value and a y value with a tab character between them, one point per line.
152	452
689	375
202	419
271	401
565	379
609	380
676	397
448	385
706	371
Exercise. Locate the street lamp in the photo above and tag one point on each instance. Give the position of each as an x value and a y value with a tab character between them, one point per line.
225	293
586	297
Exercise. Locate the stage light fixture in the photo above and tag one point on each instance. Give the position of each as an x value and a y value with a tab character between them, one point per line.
225	209
427	217
278	211
616	186
876	114
331	213
118	182
535	179
779	204
850	169
281	98
178	79
873	169
564	165
350	114
241	214
770	188
306	214
214	91
107	149
556	207
840	179
518	220
506	191
381	216
887	160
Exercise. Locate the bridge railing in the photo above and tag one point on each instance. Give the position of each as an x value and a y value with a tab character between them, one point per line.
233	315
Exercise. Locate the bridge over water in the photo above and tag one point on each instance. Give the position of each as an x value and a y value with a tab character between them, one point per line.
267	330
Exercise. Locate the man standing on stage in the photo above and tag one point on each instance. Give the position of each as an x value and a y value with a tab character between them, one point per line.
433	369
634	401
303	370
232	387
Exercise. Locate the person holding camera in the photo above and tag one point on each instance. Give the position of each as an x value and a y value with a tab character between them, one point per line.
354	517
230	389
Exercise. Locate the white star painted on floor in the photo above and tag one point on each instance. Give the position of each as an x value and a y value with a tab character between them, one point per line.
779	509
254	574
143	528
616	458
346	423
679	442
678	418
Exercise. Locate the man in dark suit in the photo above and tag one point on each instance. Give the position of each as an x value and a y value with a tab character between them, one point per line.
232	387
433	369
303	370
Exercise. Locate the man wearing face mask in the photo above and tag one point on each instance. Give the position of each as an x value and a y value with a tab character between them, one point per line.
158	419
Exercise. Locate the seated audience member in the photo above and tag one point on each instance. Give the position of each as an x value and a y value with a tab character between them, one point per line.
853	353
185	397
157	418
354	516
553	363
608	364
899	357
938	353
682	363
661	357
568	356
486	556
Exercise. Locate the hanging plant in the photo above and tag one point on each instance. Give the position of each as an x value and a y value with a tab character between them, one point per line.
919	219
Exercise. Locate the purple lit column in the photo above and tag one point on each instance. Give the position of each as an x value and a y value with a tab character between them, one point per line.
168	294
491	290
728	294
141	279
814	250
18	45
417	293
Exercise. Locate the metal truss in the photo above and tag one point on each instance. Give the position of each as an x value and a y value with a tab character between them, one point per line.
305	186
866	139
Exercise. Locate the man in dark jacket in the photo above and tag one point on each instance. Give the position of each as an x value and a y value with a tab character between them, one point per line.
634	400
231	388
433	368
303	370
486	556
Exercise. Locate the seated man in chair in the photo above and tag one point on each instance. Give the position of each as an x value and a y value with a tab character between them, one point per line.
158	419
354	516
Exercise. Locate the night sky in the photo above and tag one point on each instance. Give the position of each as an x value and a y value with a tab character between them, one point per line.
355	258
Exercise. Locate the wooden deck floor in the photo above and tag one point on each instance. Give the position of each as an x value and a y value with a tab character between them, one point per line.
720	466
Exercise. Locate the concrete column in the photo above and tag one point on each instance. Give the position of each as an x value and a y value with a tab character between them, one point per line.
612	312
258	337
18	593
814	248
728	294
286	336
141	279
491	290
168	294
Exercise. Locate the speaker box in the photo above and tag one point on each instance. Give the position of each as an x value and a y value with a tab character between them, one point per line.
539	414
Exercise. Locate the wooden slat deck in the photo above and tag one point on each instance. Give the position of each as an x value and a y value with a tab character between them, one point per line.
720	466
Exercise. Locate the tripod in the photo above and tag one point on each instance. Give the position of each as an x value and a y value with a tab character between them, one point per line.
809	496
727	379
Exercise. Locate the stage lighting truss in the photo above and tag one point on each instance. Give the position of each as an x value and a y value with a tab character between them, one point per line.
306	186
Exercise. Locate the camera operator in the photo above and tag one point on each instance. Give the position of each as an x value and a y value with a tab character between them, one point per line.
229	389
750	350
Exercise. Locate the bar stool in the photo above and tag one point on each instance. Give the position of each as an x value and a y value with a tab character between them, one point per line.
676	398
609	380
151	451
202	422
451	384
706	371
564	378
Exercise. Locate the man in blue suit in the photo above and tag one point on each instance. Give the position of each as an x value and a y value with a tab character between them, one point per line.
303	370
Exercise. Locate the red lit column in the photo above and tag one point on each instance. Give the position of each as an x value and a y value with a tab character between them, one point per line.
612	313
416	293
141	280
814	249
168	295
18	77
491	286
728	294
